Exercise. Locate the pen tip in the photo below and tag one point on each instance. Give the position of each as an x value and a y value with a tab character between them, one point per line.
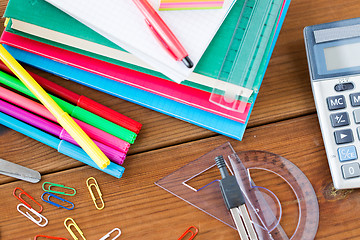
187	61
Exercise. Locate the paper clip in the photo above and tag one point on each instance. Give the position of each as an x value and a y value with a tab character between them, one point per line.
57	197
109	233
192	230
60	186
92	193
23	201
73	223
27	214
49	237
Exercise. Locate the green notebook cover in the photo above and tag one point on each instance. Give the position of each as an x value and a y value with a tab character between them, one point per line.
41	13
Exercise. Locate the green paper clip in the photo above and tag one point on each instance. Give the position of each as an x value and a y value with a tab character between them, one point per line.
57	185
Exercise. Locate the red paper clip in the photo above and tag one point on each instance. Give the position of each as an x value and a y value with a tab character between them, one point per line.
49	237
23	201
191	231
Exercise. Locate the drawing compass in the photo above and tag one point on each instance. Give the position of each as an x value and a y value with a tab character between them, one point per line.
275	190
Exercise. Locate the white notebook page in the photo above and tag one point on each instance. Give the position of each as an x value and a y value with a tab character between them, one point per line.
122	23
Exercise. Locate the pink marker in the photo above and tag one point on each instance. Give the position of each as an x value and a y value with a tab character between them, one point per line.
39	109
163	33
54	129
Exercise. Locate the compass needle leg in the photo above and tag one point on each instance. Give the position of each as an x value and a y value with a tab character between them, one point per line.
235	202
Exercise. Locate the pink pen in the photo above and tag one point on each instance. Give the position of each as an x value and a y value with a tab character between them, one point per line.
39	109
54	129
163	33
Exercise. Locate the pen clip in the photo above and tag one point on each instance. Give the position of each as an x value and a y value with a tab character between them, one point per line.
161	40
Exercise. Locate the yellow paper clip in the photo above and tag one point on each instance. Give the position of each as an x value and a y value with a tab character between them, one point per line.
89	185
68	227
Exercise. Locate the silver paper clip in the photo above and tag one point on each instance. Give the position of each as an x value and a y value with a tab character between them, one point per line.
15	170
27	214
108	234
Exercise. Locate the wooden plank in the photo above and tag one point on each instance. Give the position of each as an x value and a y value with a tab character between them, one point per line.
144	211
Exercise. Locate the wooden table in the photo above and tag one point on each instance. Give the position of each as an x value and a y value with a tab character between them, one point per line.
283	121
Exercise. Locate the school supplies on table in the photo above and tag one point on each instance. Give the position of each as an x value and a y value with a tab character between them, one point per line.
112	231
190	4
91	182
56	130
134	36
59	199
63	118
17	171
41	221
17	194
37	108
162	104
83	102
75	111
73	224
61	146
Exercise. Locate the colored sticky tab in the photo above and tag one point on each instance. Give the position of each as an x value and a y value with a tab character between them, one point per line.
190	4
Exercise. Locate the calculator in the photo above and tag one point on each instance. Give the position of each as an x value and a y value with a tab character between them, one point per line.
333	54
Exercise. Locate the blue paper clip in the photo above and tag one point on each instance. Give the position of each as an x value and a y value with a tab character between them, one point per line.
57	197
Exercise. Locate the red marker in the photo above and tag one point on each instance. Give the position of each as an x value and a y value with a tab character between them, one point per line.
163	33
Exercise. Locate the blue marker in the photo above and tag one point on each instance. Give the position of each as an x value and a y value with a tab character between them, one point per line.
62	146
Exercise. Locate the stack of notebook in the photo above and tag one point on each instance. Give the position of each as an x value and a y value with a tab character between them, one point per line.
43	36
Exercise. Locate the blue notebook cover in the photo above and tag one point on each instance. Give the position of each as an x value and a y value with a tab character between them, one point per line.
172	108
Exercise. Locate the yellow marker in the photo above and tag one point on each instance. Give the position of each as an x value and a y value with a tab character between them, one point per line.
62	117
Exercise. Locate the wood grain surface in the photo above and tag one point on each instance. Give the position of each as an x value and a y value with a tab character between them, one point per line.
283	121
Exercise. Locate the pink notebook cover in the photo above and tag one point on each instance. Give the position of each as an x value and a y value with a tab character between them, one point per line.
165	88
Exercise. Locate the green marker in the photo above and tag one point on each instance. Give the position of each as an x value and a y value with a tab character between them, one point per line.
74	111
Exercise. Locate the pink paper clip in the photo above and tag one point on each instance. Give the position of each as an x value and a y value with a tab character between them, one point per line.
23	201
192	230
49	237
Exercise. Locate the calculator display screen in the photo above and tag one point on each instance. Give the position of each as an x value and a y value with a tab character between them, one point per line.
343	56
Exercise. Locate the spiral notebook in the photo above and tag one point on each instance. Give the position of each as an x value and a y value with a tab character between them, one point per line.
122	23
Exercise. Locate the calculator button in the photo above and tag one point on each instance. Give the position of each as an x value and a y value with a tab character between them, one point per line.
343	87
355	99
336	102
340	119
343	136
350	170
357	115
347	153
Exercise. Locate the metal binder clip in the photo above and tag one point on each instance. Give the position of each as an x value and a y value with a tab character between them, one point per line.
49	237
57	197
27	214
92	193
23	201
192	230
68	227
108	234
60	186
